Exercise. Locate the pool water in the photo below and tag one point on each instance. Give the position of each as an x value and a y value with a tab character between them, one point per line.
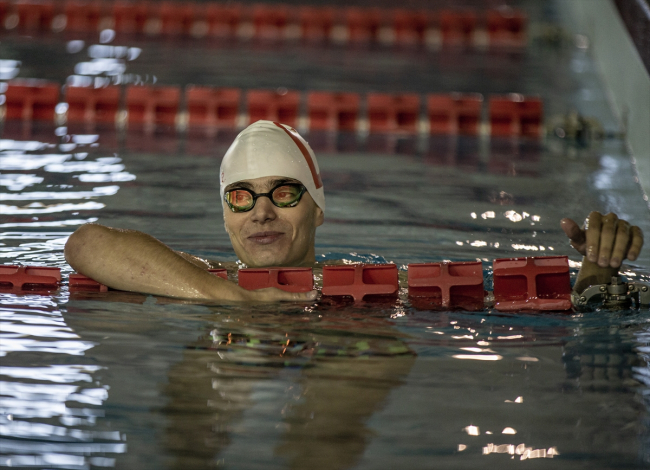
124	380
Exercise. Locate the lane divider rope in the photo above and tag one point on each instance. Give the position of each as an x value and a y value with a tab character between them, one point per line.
459	27
151	107
538	283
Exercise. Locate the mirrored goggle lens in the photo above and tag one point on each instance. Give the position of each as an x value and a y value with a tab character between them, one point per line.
286	195
240	199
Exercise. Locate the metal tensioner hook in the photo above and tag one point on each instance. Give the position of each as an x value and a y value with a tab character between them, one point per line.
617	295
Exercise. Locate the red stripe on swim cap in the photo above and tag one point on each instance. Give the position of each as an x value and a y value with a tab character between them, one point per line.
318	182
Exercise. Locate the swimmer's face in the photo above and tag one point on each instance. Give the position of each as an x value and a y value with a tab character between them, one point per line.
268	235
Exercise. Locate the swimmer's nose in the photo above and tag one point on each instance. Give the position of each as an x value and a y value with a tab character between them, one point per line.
264	211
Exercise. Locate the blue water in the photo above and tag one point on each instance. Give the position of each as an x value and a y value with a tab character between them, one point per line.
125	380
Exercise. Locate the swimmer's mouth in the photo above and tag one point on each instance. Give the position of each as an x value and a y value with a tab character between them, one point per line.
265	238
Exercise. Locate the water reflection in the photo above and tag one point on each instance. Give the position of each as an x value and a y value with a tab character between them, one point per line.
521	450
325	387
50	403
34	248
22	161
18	182
30	174
38	195
51	398
312	388
9	69
40	208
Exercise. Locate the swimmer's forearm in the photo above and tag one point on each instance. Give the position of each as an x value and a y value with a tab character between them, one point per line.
591	274
195	260
134	261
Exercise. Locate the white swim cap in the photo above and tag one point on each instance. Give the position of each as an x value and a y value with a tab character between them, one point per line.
267	148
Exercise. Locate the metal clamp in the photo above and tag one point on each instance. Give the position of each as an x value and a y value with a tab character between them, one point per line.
617	295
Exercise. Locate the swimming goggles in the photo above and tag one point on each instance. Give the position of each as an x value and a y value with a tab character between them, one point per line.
283	195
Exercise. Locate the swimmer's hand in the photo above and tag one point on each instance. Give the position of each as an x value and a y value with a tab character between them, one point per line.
605	240
271	294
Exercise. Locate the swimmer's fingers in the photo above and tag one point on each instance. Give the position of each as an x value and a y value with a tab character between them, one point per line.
609	240
593	228
575	233
605	239
622	243
636	243
608	235
271	294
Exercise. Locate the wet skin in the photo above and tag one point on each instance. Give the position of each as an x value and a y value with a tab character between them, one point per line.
605	241
273	236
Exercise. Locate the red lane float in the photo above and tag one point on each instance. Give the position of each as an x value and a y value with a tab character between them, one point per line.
129	17
280	105
535	283
286	279
270	21
151	106
330	111
410	27
393	113
81	283
4	11
82	16
34	16
448	284
362	24
457	27
22	277
316	23
31	100
212	107
516	115
359	281
177	18
219	272
92	105
454	113
223	20
506	27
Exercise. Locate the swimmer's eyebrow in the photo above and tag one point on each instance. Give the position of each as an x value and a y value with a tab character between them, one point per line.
274	183
239	184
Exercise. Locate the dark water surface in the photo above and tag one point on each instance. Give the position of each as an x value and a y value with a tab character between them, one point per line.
130	381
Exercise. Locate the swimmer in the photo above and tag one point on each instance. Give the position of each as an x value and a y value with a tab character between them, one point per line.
273	201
